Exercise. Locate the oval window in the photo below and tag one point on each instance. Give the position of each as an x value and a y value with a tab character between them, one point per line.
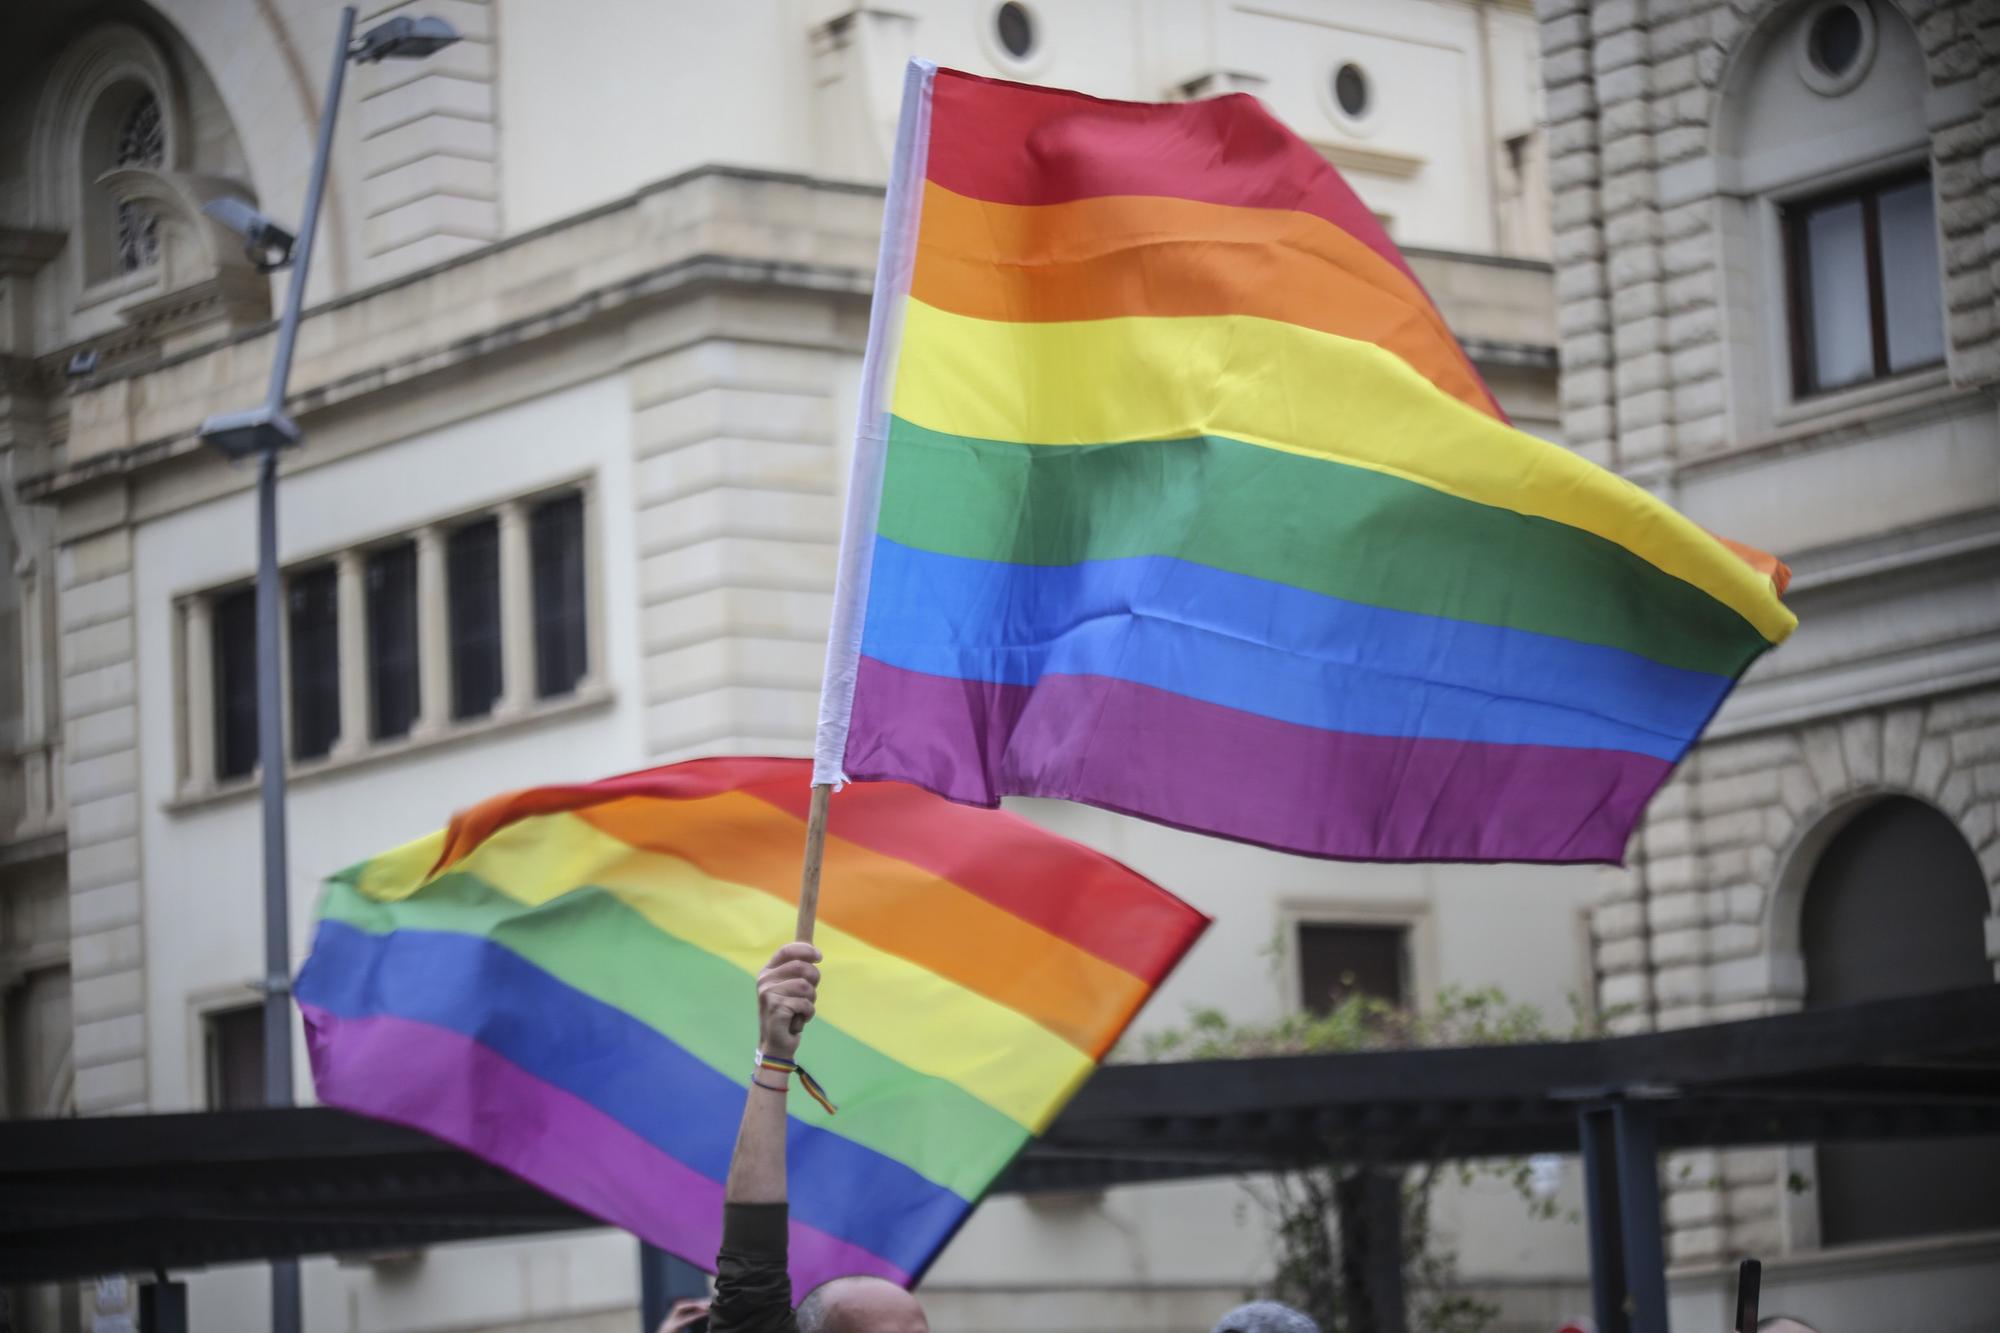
1836	39
1014	26
1350	90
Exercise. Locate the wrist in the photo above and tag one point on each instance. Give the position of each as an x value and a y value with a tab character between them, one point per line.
769	1062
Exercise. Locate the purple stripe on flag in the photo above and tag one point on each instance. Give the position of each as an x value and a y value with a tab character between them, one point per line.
454	1088
1200	766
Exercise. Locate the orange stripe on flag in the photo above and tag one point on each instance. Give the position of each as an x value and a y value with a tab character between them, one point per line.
893	905
1763	562
1121	255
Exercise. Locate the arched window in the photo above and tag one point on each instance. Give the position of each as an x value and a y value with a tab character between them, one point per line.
1828	215
126	127
141	142
1897	905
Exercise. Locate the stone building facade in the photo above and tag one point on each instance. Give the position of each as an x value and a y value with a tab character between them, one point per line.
615	255
1706	158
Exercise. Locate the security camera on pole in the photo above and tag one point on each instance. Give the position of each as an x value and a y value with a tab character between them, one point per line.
263	432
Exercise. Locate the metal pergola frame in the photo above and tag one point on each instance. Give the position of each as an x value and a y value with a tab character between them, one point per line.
169	1192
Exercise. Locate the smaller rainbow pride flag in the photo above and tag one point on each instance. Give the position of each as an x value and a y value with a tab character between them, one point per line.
1173	494
563	983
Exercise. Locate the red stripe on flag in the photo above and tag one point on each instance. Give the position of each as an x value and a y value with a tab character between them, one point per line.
1071	891
1013	143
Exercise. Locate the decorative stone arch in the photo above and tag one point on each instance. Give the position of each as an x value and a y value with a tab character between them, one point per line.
1924	772
106	62
1745	27
1878	755
1776	136
1798	858
199	280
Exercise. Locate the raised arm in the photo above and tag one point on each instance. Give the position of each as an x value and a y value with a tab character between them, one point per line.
786	989
753	1291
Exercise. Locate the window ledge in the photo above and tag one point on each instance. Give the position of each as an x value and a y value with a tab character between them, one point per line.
106	290
587	699
1841	405
1880	405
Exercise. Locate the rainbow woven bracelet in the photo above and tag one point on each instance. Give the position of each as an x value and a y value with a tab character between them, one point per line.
806	1081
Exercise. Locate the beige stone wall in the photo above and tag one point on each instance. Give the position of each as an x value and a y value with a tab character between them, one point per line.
1666	376
1632	91
100	723
429	143
737	491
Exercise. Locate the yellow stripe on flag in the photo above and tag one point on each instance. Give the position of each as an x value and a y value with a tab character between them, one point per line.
911	1015
1298	390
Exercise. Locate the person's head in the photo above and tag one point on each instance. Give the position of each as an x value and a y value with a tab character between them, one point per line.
861	1305
1779	1323
1265	1317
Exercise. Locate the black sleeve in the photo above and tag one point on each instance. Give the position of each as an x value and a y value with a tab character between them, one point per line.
753	1289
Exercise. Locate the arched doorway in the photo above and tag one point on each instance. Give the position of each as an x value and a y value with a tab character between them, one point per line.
1897	905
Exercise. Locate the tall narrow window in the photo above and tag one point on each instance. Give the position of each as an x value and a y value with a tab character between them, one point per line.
1912	295
472	571
1338	961
233	1041
555	544
314	597
235	658
392	641
1867	299
141	143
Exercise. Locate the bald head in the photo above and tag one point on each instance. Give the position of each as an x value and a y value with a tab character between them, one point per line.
1265	1317
860	1305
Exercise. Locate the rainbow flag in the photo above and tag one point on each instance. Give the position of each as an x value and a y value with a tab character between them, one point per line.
1174	495
563	983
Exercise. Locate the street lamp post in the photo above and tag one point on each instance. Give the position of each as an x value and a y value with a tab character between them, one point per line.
263	432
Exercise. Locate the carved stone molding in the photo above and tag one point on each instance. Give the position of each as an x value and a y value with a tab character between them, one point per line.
207	286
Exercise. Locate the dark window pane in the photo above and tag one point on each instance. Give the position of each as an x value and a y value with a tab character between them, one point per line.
555	543
1868	299
392	640
1837	295
472	569
1912	296
234	627
235	1043
1016	29
1338	961
315	661
1350	89
1835	40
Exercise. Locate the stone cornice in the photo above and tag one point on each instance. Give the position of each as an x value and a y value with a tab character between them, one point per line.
25	249
1372	161
714	227
1953	560
684	277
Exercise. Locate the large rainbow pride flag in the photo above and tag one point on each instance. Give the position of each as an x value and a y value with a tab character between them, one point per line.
1173	494
563	983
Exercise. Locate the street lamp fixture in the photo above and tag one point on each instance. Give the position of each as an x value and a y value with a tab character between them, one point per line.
263	432
268	245
253	431
403	39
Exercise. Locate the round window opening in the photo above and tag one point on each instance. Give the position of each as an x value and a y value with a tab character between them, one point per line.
1015	27
1836	39
1350	90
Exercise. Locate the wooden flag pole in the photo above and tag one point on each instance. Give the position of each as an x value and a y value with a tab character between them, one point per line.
815	854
